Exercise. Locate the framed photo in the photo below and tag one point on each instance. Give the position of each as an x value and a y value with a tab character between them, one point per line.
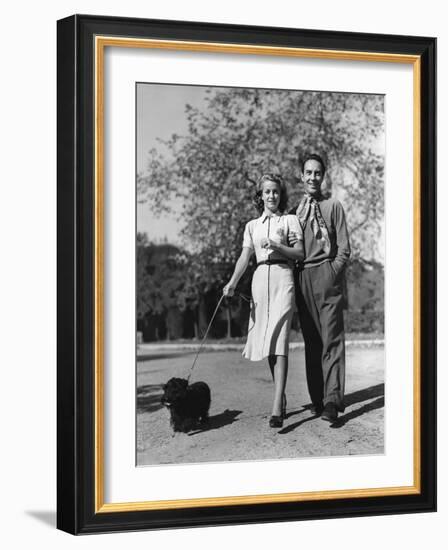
246	274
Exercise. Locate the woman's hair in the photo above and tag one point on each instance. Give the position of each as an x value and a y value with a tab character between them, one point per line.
275	178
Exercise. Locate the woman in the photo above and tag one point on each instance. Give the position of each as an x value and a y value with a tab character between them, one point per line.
273	300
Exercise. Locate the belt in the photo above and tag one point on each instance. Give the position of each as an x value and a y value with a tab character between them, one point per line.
272	262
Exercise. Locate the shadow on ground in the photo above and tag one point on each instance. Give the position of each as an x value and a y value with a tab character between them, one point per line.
218	421
296	425
148	398
358	397
350	399
342	420
363	395
44	516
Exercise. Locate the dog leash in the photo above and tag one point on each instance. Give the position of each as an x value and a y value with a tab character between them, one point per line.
208	328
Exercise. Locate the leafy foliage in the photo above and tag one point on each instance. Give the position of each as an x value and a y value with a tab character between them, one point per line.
160	278
245	132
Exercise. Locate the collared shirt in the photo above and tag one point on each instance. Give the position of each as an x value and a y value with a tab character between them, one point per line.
275	227
334	217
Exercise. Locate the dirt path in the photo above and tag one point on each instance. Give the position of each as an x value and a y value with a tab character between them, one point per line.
241	400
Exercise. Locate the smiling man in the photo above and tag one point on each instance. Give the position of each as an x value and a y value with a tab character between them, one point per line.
319	290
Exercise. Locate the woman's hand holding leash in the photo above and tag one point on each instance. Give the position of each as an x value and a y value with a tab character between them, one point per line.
240	267
228	290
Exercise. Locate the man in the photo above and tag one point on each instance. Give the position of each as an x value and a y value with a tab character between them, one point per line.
319	291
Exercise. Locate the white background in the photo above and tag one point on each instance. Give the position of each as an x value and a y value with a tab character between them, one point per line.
28	281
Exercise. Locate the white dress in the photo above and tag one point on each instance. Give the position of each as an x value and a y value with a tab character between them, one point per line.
273	299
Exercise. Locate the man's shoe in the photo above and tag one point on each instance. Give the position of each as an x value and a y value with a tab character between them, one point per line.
330	413
316	410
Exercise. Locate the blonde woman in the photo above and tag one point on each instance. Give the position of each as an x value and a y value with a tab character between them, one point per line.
273	300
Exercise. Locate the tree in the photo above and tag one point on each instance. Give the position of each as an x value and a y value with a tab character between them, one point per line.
161	282
144	281
243	133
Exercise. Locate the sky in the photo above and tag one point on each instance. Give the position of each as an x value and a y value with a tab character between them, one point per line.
161	113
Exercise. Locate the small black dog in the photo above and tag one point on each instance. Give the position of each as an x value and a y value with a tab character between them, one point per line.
187	403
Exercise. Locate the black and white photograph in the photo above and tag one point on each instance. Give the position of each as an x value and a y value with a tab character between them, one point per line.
141	140
260	258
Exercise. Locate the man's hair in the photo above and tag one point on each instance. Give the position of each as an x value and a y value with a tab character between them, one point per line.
315	157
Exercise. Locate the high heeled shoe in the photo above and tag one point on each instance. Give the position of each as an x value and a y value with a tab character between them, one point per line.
276	421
